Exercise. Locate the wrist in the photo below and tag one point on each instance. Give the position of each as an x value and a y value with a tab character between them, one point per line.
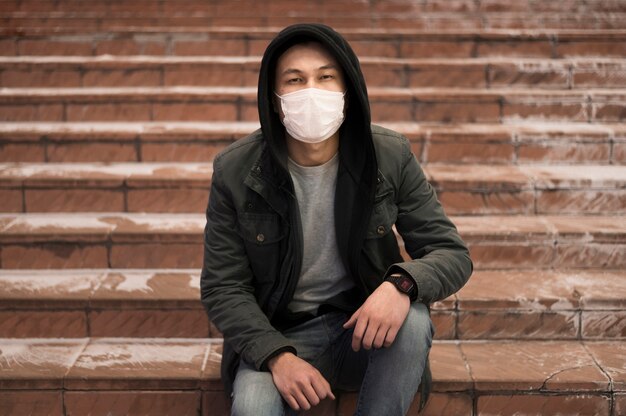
404	284
275	360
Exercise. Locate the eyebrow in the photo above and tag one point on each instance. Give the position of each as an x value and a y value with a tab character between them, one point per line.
298	71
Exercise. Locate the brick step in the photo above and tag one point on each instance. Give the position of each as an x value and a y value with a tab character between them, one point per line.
252	41
125	240
224	7
184	188
519	304
181	376
497	144
223	71
239	104
437	20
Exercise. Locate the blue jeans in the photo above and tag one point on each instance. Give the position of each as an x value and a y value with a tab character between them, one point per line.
388	378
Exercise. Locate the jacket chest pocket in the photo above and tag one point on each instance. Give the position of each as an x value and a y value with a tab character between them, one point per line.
263	234
384	215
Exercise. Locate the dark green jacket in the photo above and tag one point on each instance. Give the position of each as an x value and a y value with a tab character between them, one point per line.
253	245
253	237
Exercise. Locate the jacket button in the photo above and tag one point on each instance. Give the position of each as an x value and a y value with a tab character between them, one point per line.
380	230
260	238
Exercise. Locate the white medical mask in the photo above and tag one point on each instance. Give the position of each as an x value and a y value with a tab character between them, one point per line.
312	115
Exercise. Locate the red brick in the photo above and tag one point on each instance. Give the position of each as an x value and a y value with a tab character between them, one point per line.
37	78
619	153
555	110
184	152
589	256
454	77
537	404
605	324
8	47
28	112
437	49
443	404
616	49
125	78
496	153
384	76
10	200
525	74
43	324
573	202
249	112
200	111
215	403
35	402
74	200
518	325
378	48
222	47
132	403
53	256
526	49
458	203
153	48
599	75
391	111
21	152
117	47
564	152
155	255
512	256
458	112
620	403
612	111
109	112
149	323
216	76
167	200
92	152
257	46
47	48
444	323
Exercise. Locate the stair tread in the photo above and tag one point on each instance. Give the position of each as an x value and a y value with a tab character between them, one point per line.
167	364
128	225
540	290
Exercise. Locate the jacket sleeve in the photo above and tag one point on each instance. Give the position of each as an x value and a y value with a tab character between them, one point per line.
227	290
441	263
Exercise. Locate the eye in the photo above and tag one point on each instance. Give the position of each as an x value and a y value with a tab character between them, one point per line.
327	76
293	80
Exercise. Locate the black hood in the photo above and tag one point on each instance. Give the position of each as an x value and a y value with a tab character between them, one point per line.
358	170
356	147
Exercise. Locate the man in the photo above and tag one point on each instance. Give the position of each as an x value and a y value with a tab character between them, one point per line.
302	271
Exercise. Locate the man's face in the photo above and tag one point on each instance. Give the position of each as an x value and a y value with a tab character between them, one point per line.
307	65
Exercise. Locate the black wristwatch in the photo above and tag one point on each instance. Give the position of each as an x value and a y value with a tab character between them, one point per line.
404	284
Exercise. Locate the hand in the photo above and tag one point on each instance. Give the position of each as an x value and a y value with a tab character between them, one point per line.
377	322
301	385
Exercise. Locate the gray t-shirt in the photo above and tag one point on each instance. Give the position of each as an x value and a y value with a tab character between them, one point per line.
323	273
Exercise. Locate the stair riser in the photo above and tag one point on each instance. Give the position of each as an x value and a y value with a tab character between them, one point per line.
522	74
486	255
491	108
456	150
428	45
96	402
494	324
193	199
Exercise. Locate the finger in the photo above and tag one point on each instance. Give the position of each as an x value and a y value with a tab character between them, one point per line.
369	336
357	336
322	388
303	403
311	395
391	336
379	341
292	402
352	319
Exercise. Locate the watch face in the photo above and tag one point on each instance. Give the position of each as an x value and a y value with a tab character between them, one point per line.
406	284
